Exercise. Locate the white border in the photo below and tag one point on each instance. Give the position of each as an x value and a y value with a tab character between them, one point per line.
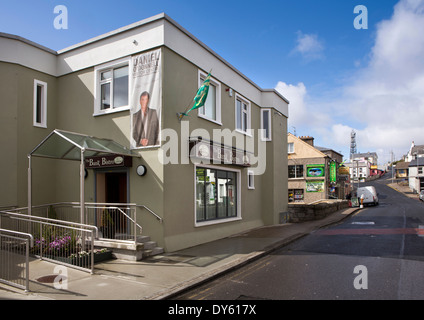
97	87
43	123
218	221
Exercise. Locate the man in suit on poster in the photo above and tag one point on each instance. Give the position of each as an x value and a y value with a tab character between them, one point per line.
145	124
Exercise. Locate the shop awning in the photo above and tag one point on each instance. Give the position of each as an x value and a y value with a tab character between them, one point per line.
61	144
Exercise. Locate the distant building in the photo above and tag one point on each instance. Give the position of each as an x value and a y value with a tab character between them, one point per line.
313	172
415	156
402	170
363	165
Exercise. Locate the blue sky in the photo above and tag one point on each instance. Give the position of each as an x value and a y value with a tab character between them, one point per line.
336	77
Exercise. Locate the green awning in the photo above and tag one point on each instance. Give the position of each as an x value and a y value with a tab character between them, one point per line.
61	144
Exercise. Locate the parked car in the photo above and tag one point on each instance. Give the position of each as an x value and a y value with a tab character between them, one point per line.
370	195
422	195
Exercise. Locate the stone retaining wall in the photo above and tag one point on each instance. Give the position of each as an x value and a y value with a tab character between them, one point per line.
300	212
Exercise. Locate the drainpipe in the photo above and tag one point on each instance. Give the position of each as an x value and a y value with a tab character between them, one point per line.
29	185
82	200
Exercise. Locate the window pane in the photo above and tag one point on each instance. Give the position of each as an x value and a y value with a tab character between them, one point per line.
39	104
210	104
222	194
211	194
265	124
232	194
290	147
120	87
299	171
292	171
200	194
244	127
238	115
106	75
105	96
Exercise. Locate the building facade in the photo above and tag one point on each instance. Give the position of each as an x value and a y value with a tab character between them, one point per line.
219	171
313	172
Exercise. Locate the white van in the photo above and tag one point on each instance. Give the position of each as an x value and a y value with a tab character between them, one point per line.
370	195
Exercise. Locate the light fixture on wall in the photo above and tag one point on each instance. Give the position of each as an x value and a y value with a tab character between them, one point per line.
141	170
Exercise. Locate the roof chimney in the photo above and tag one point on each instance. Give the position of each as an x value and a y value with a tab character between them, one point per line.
309	140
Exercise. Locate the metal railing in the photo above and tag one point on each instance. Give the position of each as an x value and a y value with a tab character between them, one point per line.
115	221
62	242
14	258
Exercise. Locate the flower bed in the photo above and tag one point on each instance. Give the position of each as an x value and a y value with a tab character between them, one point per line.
68	250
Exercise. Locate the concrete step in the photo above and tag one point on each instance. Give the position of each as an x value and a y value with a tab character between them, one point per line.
129	251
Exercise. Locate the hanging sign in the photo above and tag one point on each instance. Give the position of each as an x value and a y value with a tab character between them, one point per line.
107	161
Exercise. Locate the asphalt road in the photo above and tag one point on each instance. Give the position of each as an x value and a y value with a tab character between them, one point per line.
376	254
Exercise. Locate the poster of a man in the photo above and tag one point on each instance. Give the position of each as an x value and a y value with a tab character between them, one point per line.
146	99
145	124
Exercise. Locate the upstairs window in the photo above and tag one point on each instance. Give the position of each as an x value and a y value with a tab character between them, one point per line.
295	172
112	87
290	147
211	110
40	104
266	124
242	115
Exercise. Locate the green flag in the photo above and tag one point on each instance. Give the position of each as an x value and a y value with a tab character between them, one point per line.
201	95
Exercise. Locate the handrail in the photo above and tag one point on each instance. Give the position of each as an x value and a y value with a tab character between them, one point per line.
31	217
28	244
31	238
159	218
63	225
149	210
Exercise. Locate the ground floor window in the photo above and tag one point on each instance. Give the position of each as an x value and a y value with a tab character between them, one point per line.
216	194
295	195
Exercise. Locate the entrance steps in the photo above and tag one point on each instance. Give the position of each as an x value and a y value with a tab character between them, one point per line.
142	249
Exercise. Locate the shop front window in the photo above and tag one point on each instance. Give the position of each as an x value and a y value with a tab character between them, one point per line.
216	194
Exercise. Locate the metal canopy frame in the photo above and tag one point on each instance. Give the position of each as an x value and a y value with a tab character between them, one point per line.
60	144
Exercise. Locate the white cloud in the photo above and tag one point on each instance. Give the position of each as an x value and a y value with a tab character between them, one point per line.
309	46
385	99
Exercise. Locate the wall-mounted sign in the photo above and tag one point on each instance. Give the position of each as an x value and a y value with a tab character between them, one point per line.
107	161
315	170
333	171
315	186
344	170
218	153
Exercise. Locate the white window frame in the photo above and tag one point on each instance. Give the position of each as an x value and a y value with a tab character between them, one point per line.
200	112
217	221
98	70
43	122
250	180
263	135
288	147
245	131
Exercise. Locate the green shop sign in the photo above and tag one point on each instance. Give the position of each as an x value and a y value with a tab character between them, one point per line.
333	170
315	170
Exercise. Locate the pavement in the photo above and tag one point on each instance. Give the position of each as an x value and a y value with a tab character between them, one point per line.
163	276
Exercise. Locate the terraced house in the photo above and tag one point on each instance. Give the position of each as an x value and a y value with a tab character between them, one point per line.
97	124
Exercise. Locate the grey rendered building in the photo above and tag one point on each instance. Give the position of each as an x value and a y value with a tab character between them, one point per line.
220	171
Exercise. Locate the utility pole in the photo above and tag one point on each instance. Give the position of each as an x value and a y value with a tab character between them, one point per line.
392	165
